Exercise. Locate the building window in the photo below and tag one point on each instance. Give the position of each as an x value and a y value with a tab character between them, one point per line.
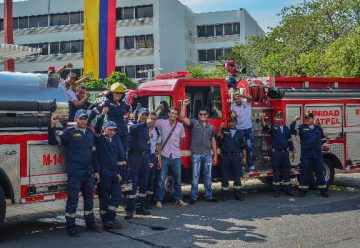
210	55
236	28
143	11
33	22
201	31
119	14
219	53
128	13
219	30
65	47
130	71
76	46
64	19
16	23
54	20
43	20
75	17
54	48
144	41
140	68
44	48
228	29
23	22
202	55
1	24
129	42
209	30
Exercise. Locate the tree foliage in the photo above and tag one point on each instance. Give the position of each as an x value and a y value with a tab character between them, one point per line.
113	78
313	38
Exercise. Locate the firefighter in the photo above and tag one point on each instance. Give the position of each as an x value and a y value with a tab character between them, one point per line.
138	164
82	168
233	156
118	108
312	138
109	154
281	145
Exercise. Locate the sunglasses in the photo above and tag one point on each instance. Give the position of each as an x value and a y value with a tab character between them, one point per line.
203	114
83	118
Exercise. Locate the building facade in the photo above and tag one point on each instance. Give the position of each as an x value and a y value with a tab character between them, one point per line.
150	34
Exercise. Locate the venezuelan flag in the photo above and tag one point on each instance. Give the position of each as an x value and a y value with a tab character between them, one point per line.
99	37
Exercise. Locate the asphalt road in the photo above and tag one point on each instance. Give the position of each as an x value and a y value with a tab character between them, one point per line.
259	221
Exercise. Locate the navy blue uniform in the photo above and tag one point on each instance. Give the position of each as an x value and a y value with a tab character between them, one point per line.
73	109
231	160
81	164
281	145
138	164
109	156
116	113
312	138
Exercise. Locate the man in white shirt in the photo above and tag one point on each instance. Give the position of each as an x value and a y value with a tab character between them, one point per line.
241	109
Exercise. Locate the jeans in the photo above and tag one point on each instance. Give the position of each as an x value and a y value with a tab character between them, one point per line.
175	165
205	162
249	139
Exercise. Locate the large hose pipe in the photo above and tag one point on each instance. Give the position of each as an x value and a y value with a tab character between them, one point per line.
25	121
34	106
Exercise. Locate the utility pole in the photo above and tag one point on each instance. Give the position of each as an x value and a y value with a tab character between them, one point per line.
8	32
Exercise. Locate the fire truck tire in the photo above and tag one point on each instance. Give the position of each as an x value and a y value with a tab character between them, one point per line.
2	206
329	174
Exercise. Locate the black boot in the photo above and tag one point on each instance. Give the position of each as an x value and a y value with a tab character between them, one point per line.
129	215
238	195
224	195
324	193
142	211
72	232
148	202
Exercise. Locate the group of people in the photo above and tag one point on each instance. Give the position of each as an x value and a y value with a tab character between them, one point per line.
150	146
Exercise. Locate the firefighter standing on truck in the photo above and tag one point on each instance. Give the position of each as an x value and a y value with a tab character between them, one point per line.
82	168
109	154
138	164
281	145
233	156
312	138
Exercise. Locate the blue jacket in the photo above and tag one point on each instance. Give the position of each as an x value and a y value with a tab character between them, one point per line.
230	144
311	140
81	156
139	140
280	140
116	114
109	153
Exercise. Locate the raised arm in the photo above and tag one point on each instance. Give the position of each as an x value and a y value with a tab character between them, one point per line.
80	81
62	68
246	96
57	138
183	117
100	121
293	130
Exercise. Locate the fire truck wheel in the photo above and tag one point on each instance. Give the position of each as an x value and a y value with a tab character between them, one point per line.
2	205
329	174
169	187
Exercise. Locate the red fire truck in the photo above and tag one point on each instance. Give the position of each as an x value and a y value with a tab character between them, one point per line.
31	170
335	103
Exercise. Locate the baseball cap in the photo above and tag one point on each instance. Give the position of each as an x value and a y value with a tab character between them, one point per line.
279	114
309	115
51	69
111	125
144	111
81	113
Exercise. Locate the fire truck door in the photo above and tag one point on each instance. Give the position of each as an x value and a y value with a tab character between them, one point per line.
46	165
291	112
353	133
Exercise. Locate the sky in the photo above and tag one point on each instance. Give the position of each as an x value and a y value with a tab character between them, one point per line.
263	11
